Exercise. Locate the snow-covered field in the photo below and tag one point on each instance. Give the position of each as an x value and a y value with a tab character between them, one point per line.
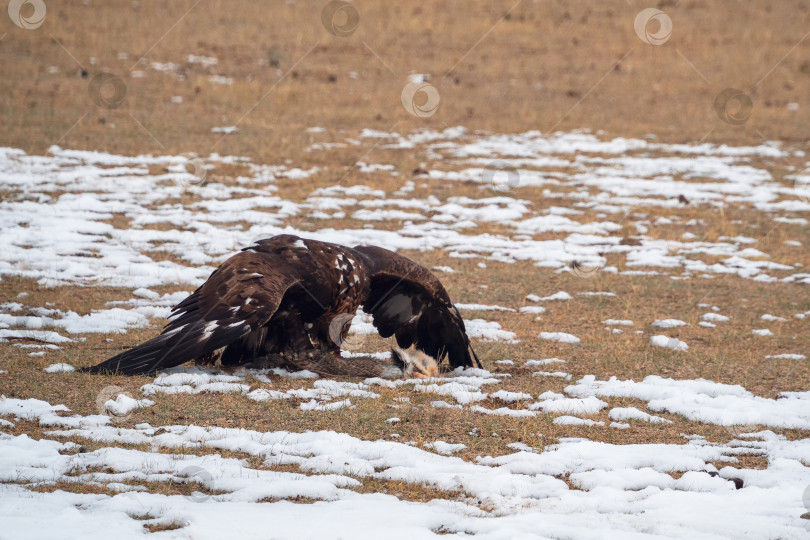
57	226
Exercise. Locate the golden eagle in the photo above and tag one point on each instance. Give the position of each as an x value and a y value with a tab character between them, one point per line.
289	301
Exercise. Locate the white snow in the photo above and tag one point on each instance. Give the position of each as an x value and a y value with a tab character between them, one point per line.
668	343
505	395
558	374
703	401
482	307
716	317
124	404
445	448
559	337
668	323
632	413
773	318
560	295
572	406
574	421
488	331
543	362
56	228
533	309
762	332
787	356
59	368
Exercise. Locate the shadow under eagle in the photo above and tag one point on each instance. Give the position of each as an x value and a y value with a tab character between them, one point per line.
292	300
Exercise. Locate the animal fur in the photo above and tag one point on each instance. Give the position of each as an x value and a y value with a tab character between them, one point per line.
402	364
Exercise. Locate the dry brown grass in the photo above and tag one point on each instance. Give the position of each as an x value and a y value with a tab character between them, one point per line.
538	68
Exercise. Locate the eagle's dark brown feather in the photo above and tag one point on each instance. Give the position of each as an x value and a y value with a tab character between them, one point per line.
283	296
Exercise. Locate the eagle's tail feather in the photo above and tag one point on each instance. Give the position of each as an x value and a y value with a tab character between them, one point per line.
169	349
148	357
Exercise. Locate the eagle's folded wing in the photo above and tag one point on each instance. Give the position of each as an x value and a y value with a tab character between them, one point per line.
237	298
407	301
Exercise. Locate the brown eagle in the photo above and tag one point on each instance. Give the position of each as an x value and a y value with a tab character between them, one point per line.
289	301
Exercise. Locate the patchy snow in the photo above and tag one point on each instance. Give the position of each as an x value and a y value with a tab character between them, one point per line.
572	406
703	401
321	391
445	448
560	295
45	336
505	395
488	331
668	323
618	322
716	317
762	332
787	356
482	307
668	343
74	224
574	421
59	368
194	381
559	337
314	405
558	374
525	485
533	309
57	227
773	318
503	411
543	362
124	404
632	413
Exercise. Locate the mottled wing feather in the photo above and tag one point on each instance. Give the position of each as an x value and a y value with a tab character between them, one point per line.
238	297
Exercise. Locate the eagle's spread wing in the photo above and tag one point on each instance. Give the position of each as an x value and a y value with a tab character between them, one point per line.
407	301
237	298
